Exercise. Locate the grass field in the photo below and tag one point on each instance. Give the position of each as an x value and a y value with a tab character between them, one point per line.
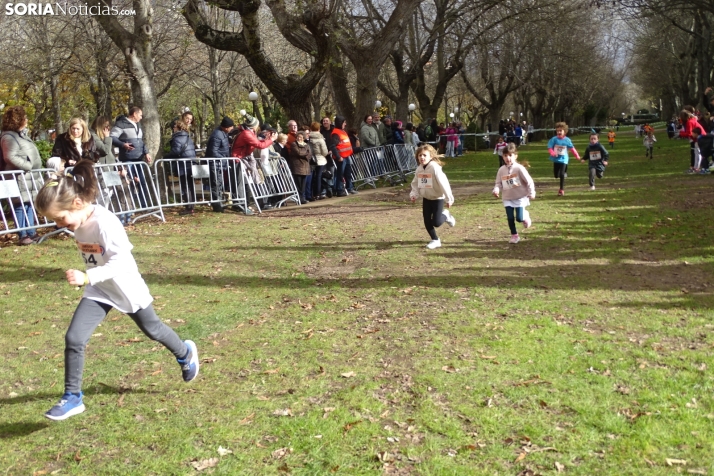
333	342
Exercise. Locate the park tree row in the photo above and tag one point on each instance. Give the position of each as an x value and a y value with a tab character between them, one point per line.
541	60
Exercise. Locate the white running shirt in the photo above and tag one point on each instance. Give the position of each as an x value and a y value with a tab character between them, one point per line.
113	275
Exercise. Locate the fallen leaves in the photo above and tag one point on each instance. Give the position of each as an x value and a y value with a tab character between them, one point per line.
283	412
281	453
204	464
224	451
672	461
349	374
351	425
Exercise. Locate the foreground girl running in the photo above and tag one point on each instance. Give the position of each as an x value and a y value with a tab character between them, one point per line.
112	280
518	190
431	184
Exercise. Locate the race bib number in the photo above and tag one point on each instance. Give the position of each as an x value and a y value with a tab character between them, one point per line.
560	149
424	181
92	254
595	156
510	181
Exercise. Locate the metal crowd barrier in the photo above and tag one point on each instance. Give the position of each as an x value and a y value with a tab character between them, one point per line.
18	215
405	156
367	167
274	180
127	189
183	182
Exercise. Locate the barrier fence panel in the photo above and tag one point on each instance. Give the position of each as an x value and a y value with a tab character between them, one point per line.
185	181
18	190
367	167
406	158
392	163
127	189
273	181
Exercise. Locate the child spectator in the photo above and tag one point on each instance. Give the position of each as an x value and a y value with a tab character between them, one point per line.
518	190
431	184
558	147
597	158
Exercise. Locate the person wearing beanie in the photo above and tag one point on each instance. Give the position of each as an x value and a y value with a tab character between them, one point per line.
341	148
219	146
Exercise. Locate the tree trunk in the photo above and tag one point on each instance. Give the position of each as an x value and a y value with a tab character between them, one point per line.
137	49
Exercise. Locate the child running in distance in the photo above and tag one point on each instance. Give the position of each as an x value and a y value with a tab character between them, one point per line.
112	280
558	147
597	158
702	150
499	149
611	139
648	142
431	184
518	190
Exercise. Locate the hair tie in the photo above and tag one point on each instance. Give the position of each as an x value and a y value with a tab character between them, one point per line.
52	184
68	174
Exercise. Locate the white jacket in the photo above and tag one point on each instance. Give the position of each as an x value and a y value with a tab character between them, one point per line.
431	183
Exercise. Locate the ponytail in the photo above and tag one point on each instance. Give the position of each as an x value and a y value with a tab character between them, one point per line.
60	193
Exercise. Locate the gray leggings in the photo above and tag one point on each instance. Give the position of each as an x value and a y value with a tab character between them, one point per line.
87	317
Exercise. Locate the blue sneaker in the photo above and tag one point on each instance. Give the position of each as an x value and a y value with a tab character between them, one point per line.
189	365
69	405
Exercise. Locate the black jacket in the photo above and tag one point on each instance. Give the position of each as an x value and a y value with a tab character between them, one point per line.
218	144
182	146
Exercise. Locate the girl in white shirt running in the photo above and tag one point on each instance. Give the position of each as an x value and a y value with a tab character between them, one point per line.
112	280
518	190
431	184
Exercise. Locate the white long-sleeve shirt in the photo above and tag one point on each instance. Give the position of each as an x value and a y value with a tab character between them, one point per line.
431	183
114	277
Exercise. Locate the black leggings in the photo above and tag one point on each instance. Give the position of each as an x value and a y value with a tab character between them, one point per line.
559	171
434	217
300	184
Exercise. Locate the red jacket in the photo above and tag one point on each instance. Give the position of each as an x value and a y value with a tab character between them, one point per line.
246	142
689	126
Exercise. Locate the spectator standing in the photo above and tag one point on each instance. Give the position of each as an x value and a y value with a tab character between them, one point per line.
100	129
246	142
387	136
128	136
379	125
219	146
369	133
300	163
182	147
292	132
20	153
319	152
75	144
341	148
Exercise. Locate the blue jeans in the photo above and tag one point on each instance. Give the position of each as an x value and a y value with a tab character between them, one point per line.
317	181
344	170
141	191
514	215
24	217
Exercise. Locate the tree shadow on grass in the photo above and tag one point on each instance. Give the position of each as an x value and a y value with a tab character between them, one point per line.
19	429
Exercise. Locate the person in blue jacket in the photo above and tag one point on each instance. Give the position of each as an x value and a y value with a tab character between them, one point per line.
558	147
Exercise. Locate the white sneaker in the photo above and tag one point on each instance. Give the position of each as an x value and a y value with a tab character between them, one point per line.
434	244
449	218
526	219
514	239
592	187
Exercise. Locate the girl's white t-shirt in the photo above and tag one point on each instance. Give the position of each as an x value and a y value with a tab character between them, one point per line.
113	274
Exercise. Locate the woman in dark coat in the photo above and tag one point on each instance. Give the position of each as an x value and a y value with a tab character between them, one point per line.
75	144
182	147
300	163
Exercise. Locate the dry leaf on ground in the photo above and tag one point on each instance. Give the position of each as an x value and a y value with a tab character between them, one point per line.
204	464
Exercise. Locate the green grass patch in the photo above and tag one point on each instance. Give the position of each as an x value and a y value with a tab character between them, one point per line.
333	342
